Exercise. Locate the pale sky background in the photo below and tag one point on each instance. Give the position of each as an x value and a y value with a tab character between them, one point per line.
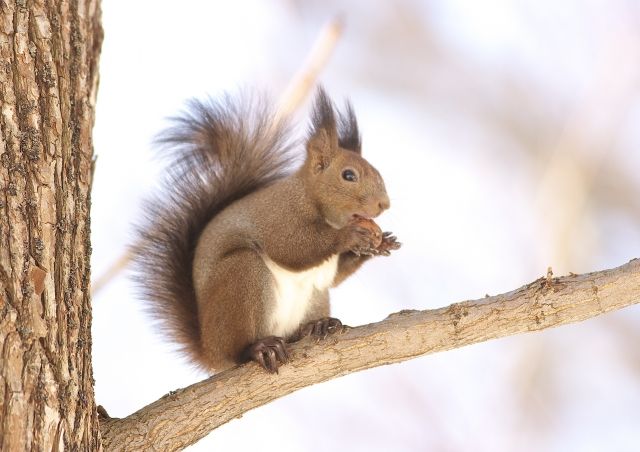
507	134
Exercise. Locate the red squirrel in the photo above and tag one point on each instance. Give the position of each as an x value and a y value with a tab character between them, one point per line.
238	251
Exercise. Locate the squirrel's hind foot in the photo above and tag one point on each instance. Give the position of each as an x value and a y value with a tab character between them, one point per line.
319	329
269	352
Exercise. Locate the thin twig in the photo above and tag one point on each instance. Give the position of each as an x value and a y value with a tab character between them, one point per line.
303	82
114	270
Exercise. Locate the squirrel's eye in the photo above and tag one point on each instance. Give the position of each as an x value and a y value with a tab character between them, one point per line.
349	175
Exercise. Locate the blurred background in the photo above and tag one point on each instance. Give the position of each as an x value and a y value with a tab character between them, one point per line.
507	133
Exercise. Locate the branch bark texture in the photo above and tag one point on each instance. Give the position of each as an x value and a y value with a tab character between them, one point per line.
186	415
48	81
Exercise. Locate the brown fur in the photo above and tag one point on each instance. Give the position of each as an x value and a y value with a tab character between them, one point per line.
228	204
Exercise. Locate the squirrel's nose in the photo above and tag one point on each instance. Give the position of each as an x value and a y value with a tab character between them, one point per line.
384	203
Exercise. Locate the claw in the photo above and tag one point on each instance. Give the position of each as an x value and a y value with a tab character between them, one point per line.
389	243
320	329
259	358
272	362
334	326
269	352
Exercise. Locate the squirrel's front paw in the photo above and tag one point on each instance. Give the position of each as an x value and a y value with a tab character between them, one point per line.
389	243
359	240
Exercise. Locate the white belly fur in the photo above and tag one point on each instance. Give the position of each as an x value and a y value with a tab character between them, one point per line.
293	291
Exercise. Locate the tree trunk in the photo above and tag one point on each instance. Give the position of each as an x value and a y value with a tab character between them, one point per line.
48	80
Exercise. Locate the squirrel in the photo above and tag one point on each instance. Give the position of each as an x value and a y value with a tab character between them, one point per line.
237	252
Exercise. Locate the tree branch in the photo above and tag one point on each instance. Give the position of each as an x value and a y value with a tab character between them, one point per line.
186	415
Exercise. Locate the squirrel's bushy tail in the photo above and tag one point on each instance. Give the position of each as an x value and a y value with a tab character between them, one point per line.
218	152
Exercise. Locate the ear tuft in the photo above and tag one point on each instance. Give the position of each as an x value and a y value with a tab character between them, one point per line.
348	132
323	115
322	144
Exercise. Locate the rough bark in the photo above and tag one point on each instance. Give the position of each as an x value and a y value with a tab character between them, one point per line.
186	415
48	80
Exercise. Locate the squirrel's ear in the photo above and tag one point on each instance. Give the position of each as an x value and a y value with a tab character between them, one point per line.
322	145
348	133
